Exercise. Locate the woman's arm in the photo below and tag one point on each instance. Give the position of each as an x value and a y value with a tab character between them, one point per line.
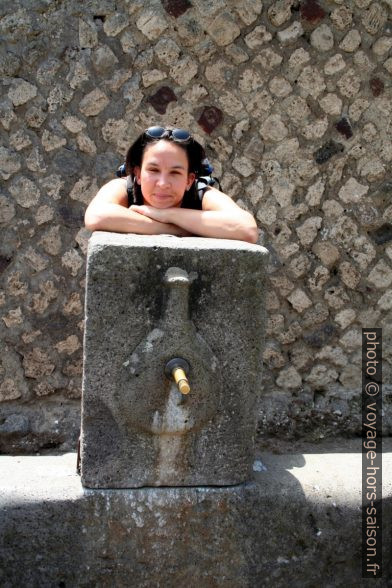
221	218
108	211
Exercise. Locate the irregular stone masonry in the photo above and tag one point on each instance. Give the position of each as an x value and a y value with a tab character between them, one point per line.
293	102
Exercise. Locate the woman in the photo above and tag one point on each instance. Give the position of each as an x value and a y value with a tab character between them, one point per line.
160	194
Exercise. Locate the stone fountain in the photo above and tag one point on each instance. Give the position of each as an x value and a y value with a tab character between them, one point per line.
171	492
149	301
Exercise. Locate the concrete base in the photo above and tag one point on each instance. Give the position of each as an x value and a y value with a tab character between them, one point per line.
297	523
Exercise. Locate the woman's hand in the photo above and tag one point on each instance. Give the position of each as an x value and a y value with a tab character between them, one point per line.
158	214
161	215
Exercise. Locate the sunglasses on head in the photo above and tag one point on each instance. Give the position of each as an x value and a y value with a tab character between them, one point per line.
178	135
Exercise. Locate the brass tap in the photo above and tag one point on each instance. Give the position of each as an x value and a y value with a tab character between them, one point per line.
177	369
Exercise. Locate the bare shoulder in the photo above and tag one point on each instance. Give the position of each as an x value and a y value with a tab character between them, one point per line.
114	191
214	199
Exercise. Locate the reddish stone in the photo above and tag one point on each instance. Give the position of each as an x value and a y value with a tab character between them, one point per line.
376	86
176	7
312	12
210	118
162	98
344	127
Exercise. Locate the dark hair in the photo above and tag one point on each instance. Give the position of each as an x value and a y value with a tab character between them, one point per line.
195	155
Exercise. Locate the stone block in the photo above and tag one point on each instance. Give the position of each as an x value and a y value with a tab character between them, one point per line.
151	299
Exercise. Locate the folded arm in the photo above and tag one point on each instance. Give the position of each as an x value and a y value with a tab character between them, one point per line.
108	211
221	218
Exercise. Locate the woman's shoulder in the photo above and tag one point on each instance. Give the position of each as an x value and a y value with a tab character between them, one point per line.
214	199
116	184
114	191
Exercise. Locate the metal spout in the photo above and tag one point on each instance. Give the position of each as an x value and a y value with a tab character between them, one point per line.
178	369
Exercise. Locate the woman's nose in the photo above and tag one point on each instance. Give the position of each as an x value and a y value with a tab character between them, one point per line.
163	180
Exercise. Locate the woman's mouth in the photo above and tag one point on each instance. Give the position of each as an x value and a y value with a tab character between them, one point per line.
162	196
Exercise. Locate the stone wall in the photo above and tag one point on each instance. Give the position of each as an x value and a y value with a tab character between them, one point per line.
293	102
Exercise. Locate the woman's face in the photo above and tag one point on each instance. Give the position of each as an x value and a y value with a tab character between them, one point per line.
163	175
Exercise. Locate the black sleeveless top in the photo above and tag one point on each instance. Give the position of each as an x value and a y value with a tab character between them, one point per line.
192	199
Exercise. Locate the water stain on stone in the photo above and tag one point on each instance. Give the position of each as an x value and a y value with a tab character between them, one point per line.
382	235
210	118
71	217
328	150
176	7
312	12
376	86
321	336
343	126
4	263
162	98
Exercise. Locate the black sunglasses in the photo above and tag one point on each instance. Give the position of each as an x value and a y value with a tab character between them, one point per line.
178	135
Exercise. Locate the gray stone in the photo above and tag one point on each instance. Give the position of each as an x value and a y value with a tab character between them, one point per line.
374	18
152	24
21	92
7	115
322	38
9	163
258	37
36	364
48	70
152	77
15	423
223	29
236	53
352	191
244	166
248	10
167	51
349	84
331	104
280	87
291	34
24	191
250	80
273	129
93	103
137	429
8	391
50	141
311	82
388	65
231	104
307	232
299	300
184	70
341	17
351	41
7	209
268	59
280	12
115	24
73	124
88	34
289	378
381	275
104	59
